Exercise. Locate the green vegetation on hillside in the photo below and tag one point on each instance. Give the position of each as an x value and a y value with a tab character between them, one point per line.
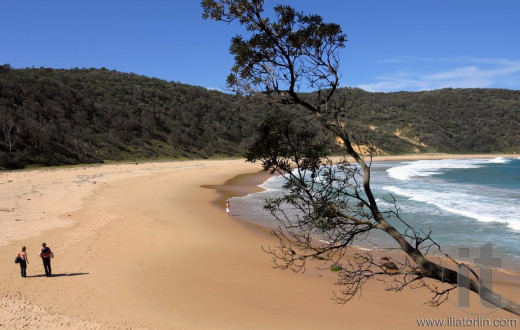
446	120
54	117
51	117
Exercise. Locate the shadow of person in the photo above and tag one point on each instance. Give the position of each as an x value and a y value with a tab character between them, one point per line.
59	275
69	274
41	275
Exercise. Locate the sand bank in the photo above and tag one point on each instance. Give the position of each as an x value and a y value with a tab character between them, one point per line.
150	246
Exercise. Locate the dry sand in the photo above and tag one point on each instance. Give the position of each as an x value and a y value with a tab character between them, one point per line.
149	246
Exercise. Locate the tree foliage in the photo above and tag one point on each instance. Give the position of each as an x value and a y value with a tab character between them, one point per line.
326	205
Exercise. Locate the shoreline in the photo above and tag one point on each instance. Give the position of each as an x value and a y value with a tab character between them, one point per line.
444	156
246	184
149	246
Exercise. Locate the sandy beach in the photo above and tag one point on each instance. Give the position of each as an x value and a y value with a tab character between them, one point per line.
150	246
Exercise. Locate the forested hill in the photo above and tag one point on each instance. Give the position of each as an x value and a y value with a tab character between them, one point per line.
447	120
52	117
92	115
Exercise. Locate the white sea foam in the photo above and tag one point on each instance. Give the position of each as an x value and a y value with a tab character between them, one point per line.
481	207
499	160
274	183
423	168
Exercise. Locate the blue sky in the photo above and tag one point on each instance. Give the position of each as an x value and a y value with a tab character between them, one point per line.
393	45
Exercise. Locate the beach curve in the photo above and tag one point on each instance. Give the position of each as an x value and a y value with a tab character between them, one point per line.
148	249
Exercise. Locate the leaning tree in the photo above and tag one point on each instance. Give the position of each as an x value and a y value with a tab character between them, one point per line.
326	205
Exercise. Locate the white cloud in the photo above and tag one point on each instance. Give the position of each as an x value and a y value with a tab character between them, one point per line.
470	71
446	72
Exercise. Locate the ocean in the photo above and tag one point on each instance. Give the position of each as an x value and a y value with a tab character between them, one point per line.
467	203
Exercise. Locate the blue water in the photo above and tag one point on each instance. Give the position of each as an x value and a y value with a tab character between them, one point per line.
467	203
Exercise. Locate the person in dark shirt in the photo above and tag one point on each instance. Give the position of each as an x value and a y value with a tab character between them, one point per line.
45	254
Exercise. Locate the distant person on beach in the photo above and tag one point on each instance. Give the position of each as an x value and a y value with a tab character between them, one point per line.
227	207
23	261
45	254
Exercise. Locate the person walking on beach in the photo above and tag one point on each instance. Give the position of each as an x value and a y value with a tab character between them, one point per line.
23	261
45	254
227	207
